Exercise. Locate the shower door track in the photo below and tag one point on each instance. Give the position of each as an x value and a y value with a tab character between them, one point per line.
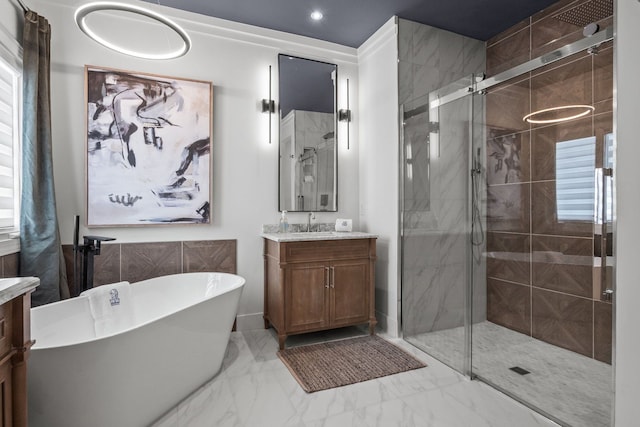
548	58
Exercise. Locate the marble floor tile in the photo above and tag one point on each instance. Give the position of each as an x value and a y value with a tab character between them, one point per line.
254	388
567	385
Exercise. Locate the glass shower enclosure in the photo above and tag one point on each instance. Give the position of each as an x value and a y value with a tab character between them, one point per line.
506	230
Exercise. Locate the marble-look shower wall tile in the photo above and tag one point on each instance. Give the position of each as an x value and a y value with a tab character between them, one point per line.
549	33
506	105
570	84
555	8
433	298
508	208
563	320
479	272
451	167
425	45
544	214
603	78
141	261
417	167
563	264
209	255
508	257
423	76
602	125
451	215
602	334
508	52
508	305
474	56
451	61
444	215
430	58
433	249
405	82
544	140
405	40
509	31
508	158
560	63
562	257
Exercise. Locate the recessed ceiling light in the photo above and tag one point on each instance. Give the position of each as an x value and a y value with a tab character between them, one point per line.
316	15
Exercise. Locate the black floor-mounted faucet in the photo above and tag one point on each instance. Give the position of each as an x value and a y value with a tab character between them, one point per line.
89	248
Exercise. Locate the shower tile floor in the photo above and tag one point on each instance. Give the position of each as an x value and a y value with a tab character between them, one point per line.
254	388
575	389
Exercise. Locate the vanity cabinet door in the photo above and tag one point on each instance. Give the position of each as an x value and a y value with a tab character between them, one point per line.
6	395
349	296
306	297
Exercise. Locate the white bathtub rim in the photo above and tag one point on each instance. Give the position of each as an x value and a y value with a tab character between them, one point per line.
239	284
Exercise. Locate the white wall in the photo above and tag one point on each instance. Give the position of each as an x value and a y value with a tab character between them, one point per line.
379	191
235	58
10	25
627	250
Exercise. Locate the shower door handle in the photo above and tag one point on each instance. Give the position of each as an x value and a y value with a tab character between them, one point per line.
607	293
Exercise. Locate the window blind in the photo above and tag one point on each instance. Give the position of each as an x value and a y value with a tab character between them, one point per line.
8	142
575	179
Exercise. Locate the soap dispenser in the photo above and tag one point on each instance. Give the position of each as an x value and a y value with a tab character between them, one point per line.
284	223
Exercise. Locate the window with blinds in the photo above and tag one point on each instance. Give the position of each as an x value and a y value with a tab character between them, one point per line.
575	179
9	136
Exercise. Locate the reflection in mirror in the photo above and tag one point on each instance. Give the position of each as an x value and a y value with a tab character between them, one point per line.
308	155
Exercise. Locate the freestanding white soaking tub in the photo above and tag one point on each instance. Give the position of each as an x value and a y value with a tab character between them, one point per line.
90	367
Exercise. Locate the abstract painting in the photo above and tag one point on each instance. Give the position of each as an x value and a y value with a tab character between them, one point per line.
148	149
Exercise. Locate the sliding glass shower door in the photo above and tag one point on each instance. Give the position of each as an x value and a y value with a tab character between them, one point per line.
547	336
436	217
507	235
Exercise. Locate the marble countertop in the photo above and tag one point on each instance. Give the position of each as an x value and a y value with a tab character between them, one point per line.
317	235
14	286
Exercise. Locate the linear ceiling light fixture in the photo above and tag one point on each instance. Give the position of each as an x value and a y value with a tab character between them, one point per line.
85	10
548	115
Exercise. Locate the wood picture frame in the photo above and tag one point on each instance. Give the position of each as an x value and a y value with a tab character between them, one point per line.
148	149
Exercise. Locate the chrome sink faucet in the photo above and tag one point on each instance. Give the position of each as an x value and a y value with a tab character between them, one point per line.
310	216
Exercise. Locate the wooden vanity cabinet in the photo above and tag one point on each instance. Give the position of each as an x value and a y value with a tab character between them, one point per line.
15	343
317	285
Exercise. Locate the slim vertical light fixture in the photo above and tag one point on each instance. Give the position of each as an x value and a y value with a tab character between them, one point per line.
344	115
269	105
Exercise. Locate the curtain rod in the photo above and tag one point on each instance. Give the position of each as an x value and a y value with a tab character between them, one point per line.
24	6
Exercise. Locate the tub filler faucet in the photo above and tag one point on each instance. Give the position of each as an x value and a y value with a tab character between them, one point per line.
90	248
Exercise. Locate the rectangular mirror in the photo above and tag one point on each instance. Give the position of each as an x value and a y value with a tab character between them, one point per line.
308	160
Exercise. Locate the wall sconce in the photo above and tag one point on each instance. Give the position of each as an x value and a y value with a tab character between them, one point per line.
269	105
344	115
